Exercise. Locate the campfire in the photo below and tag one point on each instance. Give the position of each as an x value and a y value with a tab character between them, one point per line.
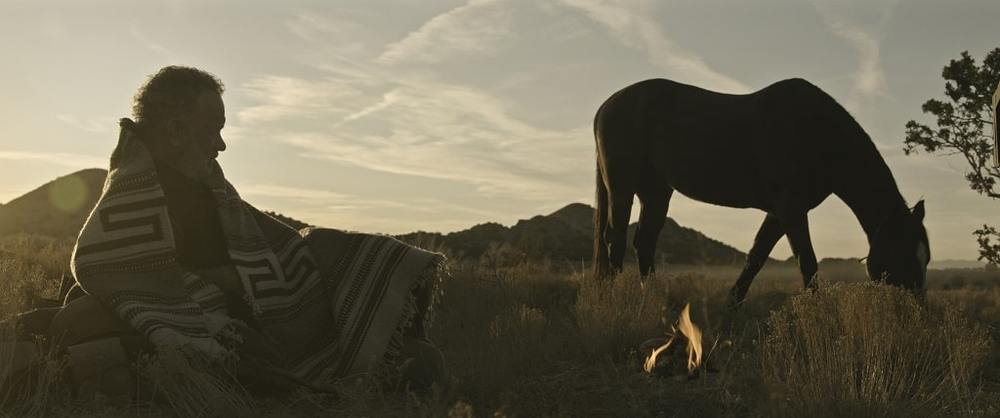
667	357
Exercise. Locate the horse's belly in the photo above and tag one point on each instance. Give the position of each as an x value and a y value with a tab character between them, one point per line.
716	186
733	198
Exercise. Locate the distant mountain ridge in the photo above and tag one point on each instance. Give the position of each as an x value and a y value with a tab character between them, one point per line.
567	234
57	208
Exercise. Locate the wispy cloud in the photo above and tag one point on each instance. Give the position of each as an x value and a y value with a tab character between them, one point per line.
280	96
87	125
869	79
150	44
370	113
313	27
350	211
457	133
631	24
289	192
387	100
56	158
473	28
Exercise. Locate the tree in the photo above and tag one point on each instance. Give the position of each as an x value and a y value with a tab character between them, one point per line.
964	127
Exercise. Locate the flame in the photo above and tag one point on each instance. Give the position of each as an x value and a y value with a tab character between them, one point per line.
693	334
690	331
651	360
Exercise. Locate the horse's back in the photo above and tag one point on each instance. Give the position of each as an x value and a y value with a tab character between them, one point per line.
792	95
725	149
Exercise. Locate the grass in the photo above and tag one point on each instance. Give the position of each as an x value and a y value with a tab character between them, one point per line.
538	339
870	349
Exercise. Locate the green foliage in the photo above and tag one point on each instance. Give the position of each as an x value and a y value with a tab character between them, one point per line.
961	129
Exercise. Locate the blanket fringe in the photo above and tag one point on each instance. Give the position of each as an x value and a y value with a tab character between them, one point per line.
433	275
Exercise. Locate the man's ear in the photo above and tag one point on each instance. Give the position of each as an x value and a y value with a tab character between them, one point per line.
175	131
918	211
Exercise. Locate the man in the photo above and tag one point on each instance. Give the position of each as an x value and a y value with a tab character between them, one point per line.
172	257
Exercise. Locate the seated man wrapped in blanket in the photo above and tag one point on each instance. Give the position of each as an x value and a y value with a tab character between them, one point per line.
173	253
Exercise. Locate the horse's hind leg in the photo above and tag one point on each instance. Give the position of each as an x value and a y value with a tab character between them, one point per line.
769	233
619	212
655	199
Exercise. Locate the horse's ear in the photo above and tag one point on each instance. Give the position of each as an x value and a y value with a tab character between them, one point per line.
918	211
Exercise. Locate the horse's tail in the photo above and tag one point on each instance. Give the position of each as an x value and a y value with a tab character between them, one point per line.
601	262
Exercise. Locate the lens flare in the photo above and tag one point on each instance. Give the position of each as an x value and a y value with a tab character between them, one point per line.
68	194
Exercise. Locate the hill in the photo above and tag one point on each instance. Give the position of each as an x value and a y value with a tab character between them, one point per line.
57	208
567	234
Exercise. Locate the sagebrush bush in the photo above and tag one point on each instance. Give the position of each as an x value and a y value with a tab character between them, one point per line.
20	284
866	349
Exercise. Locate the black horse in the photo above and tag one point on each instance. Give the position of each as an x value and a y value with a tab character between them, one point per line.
782	149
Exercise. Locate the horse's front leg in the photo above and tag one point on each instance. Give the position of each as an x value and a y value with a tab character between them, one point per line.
796	226
767	236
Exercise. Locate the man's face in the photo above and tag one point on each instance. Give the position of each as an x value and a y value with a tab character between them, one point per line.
199	137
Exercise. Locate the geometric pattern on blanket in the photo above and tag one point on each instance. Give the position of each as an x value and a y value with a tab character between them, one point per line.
335	303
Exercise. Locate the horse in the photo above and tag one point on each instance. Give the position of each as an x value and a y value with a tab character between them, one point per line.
782	149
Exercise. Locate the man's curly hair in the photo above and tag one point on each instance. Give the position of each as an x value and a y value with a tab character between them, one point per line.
171	91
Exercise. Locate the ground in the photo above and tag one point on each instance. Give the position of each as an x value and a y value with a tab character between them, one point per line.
540	339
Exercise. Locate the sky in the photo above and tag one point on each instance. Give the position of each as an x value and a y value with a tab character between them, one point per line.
398	116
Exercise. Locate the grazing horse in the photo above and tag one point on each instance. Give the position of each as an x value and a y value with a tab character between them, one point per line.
782	149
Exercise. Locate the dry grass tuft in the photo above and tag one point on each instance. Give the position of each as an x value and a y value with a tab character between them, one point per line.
193	386
866	349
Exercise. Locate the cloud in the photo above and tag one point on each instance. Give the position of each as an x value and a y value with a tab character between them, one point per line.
631	24
869	79
350	211
287	192
56	158
387	100
89	125
313	27
150	45
473	28
280	97
458	133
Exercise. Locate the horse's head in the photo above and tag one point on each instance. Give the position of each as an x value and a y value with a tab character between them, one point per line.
900	252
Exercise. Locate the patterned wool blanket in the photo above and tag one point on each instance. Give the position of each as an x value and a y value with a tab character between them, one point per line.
335	303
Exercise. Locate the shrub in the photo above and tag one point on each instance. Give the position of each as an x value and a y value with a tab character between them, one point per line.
866	349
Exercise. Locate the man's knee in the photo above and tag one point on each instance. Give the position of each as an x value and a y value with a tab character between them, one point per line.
421	364
84	319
